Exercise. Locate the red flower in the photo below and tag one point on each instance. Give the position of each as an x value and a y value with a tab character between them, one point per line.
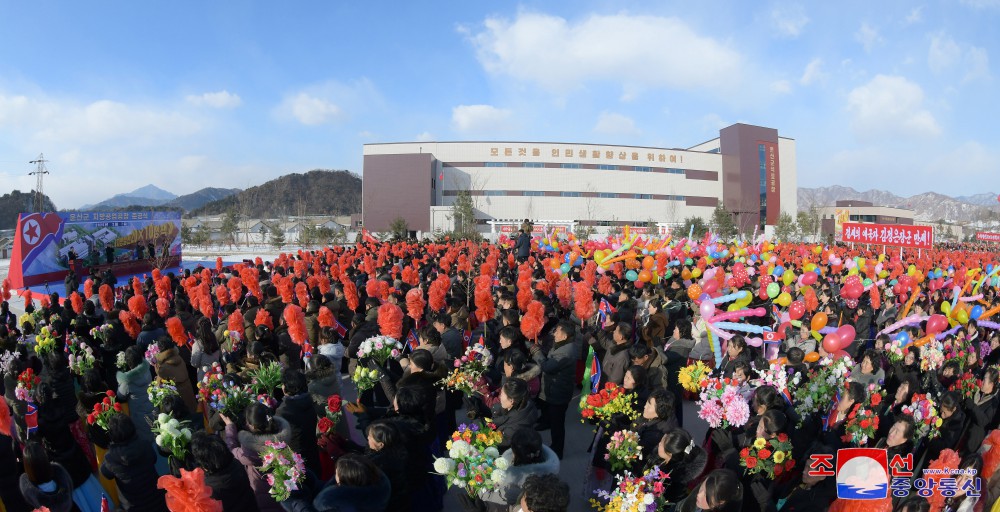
782	438
479	479
587	413
110	393
333	403
764	453
118	407
91	418
106	401
778	469
789	464
876	399
325	424
609	385
865	423
744	453
751	462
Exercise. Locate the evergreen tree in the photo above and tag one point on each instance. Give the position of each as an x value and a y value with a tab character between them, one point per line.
723	223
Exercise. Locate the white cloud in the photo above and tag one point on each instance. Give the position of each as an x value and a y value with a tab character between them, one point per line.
612	123
781	86
890	106
478	118
424	137
868	36
789	19
978	64
943	53
813	72
310	110
220	99
713	123
916	16
638	52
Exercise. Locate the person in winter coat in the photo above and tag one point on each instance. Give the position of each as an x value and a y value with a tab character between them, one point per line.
982	407
613	344
522	245
133	385
736	351
205	351
151	331
247	445
386	450
515	364
223	473
297	408
130	462
515	410
868	371
359	486
654	361
170	366
527	456
558	369
682	460
657	419
324	381
451	337
45	484
655	330
720	491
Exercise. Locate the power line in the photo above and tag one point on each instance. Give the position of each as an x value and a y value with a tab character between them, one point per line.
39	174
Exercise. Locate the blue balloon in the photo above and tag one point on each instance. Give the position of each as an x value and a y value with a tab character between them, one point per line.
989	268
977	311
903	338
564	267
631	275
778	270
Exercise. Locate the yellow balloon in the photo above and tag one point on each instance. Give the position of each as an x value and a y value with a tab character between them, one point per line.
788	278
881	258
883	274
962	316
810	267
783	300
818	249
946	308
912	269
696	272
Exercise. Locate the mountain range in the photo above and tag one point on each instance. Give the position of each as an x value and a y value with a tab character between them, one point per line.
929	206
153	196
317	192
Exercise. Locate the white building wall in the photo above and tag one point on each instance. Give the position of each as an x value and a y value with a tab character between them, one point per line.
789	195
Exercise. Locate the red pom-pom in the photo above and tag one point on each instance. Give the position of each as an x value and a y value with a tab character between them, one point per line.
323	283
415	304
130	323
604	286
263	318
390	320
991	459
350	293
136	286
533	320
285	289
485	309
235	286
107	297
249	276
76	302
325	317
296	322
222	294
176	330
45	301
564	292
302	294
372	288
218	265
935	471
162	307
137	306
583	301
235	322
438	291
88	289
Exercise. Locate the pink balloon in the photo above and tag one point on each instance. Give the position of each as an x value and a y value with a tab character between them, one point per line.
936	324
710	286
846	333
831	342
809	278
754	342
840	354
707	309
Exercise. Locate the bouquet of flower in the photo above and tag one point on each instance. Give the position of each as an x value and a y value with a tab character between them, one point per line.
211	385
931	357
101	332
633	494
623	450
604	404
776	376
81	358
894	351
103	410
722	405
232	341
120	362
861	426
232	401
966	385
26	383
819	391
267	400
160	389
285	469
334	406
172	435
266	378
771	456
151	353
380	349
473	461
45	342
469	370
925	416
365	378
6	359
691	376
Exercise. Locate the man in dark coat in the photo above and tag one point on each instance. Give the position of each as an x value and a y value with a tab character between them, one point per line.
223	473
558	380
131	462
451	338
522	245
297	408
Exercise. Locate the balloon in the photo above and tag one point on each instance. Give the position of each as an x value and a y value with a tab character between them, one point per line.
639	284
695	273
962	316
977	311
707	309
686	274
819	321
732	296
778	271
903	338
711	286
648	262
645	275
846	334
788	278
809	278
811	357
936	324
840	354
694	291
631	275
783	300
831	343
773	290
565	268
754	342
796	310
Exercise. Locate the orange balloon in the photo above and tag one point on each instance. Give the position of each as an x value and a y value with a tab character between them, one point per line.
923	341
819	321
554	263
648	262
686	274
645	276
694	291
811	357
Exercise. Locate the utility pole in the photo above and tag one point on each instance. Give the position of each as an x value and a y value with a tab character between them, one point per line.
39	173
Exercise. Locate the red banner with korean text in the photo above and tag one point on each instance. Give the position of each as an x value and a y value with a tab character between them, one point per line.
983	236
916	237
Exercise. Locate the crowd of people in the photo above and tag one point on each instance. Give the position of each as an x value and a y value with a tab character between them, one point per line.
185	391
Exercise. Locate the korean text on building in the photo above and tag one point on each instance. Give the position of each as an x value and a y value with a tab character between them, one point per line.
916	237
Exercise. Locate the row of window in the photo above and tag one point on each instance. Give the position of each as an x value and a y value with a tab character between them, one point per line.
602	167
541	193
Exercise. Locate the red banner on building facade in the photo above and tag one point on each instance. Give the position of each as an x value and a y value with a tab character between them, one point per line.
983	236
917	237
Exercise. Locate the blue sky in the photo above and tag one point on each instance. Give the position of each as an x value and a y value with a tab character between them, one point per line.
893	95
